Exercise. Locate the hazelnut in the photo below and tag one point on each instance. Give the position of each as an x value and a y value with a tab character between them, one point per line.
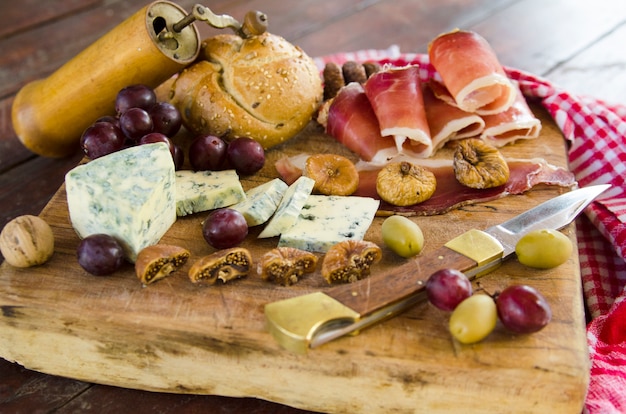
27	241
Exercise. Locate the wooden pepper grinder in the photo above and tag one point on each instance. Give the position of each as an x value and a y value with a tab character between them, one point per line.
49	115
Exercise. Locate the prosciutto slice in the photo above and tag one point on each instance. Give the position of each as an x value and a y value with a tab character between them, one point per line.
471	72
448	122
352	121
396	97
517	122
450	194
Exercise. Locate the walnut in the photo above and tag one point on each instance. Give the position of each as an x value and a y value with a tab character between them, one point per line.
350	260
286	265
158	261
225	265
333	174
479	165
405	184
27	241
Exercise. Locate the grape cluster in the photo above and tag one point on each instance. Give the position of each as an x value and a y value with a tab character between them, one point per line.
520	308
208	152
140	119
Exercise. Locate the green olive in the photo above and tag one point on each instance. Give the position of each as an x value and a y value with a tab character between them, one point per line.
403	236
543	249
473	319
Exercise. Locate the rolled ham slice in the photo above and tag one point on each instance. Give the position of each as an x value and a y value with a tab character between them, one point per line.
395	94
516	123
352	121
448	122
471	72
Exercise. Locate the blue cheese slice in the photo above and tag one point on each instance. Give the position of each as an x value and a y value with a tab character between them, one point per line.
289	208
129	194
261	201
198	191
327	220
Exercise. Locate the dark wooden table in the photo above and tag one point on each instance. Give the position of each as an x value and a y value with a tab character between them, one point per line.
573	43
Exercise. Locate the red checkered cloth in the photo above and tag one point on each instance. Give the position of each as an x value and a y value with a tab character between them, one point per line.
596	133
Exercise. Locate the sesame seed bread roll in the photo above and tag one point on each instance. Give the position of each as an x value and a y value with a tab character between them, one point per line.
261	87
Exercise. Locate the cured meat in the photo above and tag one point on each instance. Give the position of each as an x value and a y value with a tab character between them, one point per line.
517	122
471	72
352	121
448	122
450	194
396	98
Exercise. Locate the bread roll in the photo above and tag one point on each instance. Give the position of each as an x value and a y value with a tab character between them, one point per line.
262	87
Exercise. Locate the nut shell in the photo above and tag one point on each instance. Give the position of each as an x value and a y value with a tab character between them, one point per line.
225	265
286	265
27	241
350	260
158	261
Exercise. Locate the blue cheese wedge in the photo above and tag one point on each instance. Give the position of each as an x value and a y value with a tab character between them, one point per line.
261	202
198	191
289	208
327	220
129	194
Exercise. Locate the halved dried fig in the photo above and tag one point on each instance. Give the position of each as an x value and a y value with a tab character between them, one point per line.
479	165
404	184
285	265
333	174
350	260
158	261
224	265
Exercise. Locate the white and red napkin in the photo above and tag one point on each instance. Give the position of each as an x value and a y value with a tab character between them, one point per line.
596	133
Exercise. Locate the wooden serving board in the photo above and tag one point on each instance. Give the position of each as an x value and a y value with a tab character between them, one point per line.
174	336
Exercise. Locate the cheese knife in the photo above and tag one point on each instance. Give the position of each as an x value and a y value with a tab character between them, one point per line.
310	320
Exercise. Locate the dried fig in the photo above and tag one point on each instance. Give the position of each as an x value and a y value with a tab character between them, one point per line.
285	265
350	260
333	80
27	241
479	165
405	184
333	174
158	261
224	265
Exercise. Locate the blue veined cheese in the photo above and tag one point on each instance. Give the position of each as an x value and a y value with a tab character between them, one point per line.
261	201
198	191
129	194
327	220
289	208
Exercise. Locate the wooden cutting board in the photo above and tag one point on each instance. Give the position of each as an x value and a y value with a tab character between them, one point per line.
178	337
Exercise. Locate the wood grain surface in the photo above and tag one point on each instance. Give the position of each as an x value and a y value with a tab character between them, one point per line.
175	336
570	42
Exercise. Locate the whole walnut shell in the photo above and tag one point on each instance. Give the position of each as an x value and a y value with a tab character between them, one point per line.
27	241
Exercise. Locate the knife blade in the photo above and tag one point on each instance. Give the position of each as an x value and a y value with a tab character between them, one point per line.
310	320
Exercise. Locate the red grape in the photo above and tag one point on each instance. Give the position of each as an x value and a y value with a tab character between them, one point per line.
179	157
100	139
134	96
225	228
246	155
154	137
135	123
208	153
166	118
447	288
100	254
522	309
